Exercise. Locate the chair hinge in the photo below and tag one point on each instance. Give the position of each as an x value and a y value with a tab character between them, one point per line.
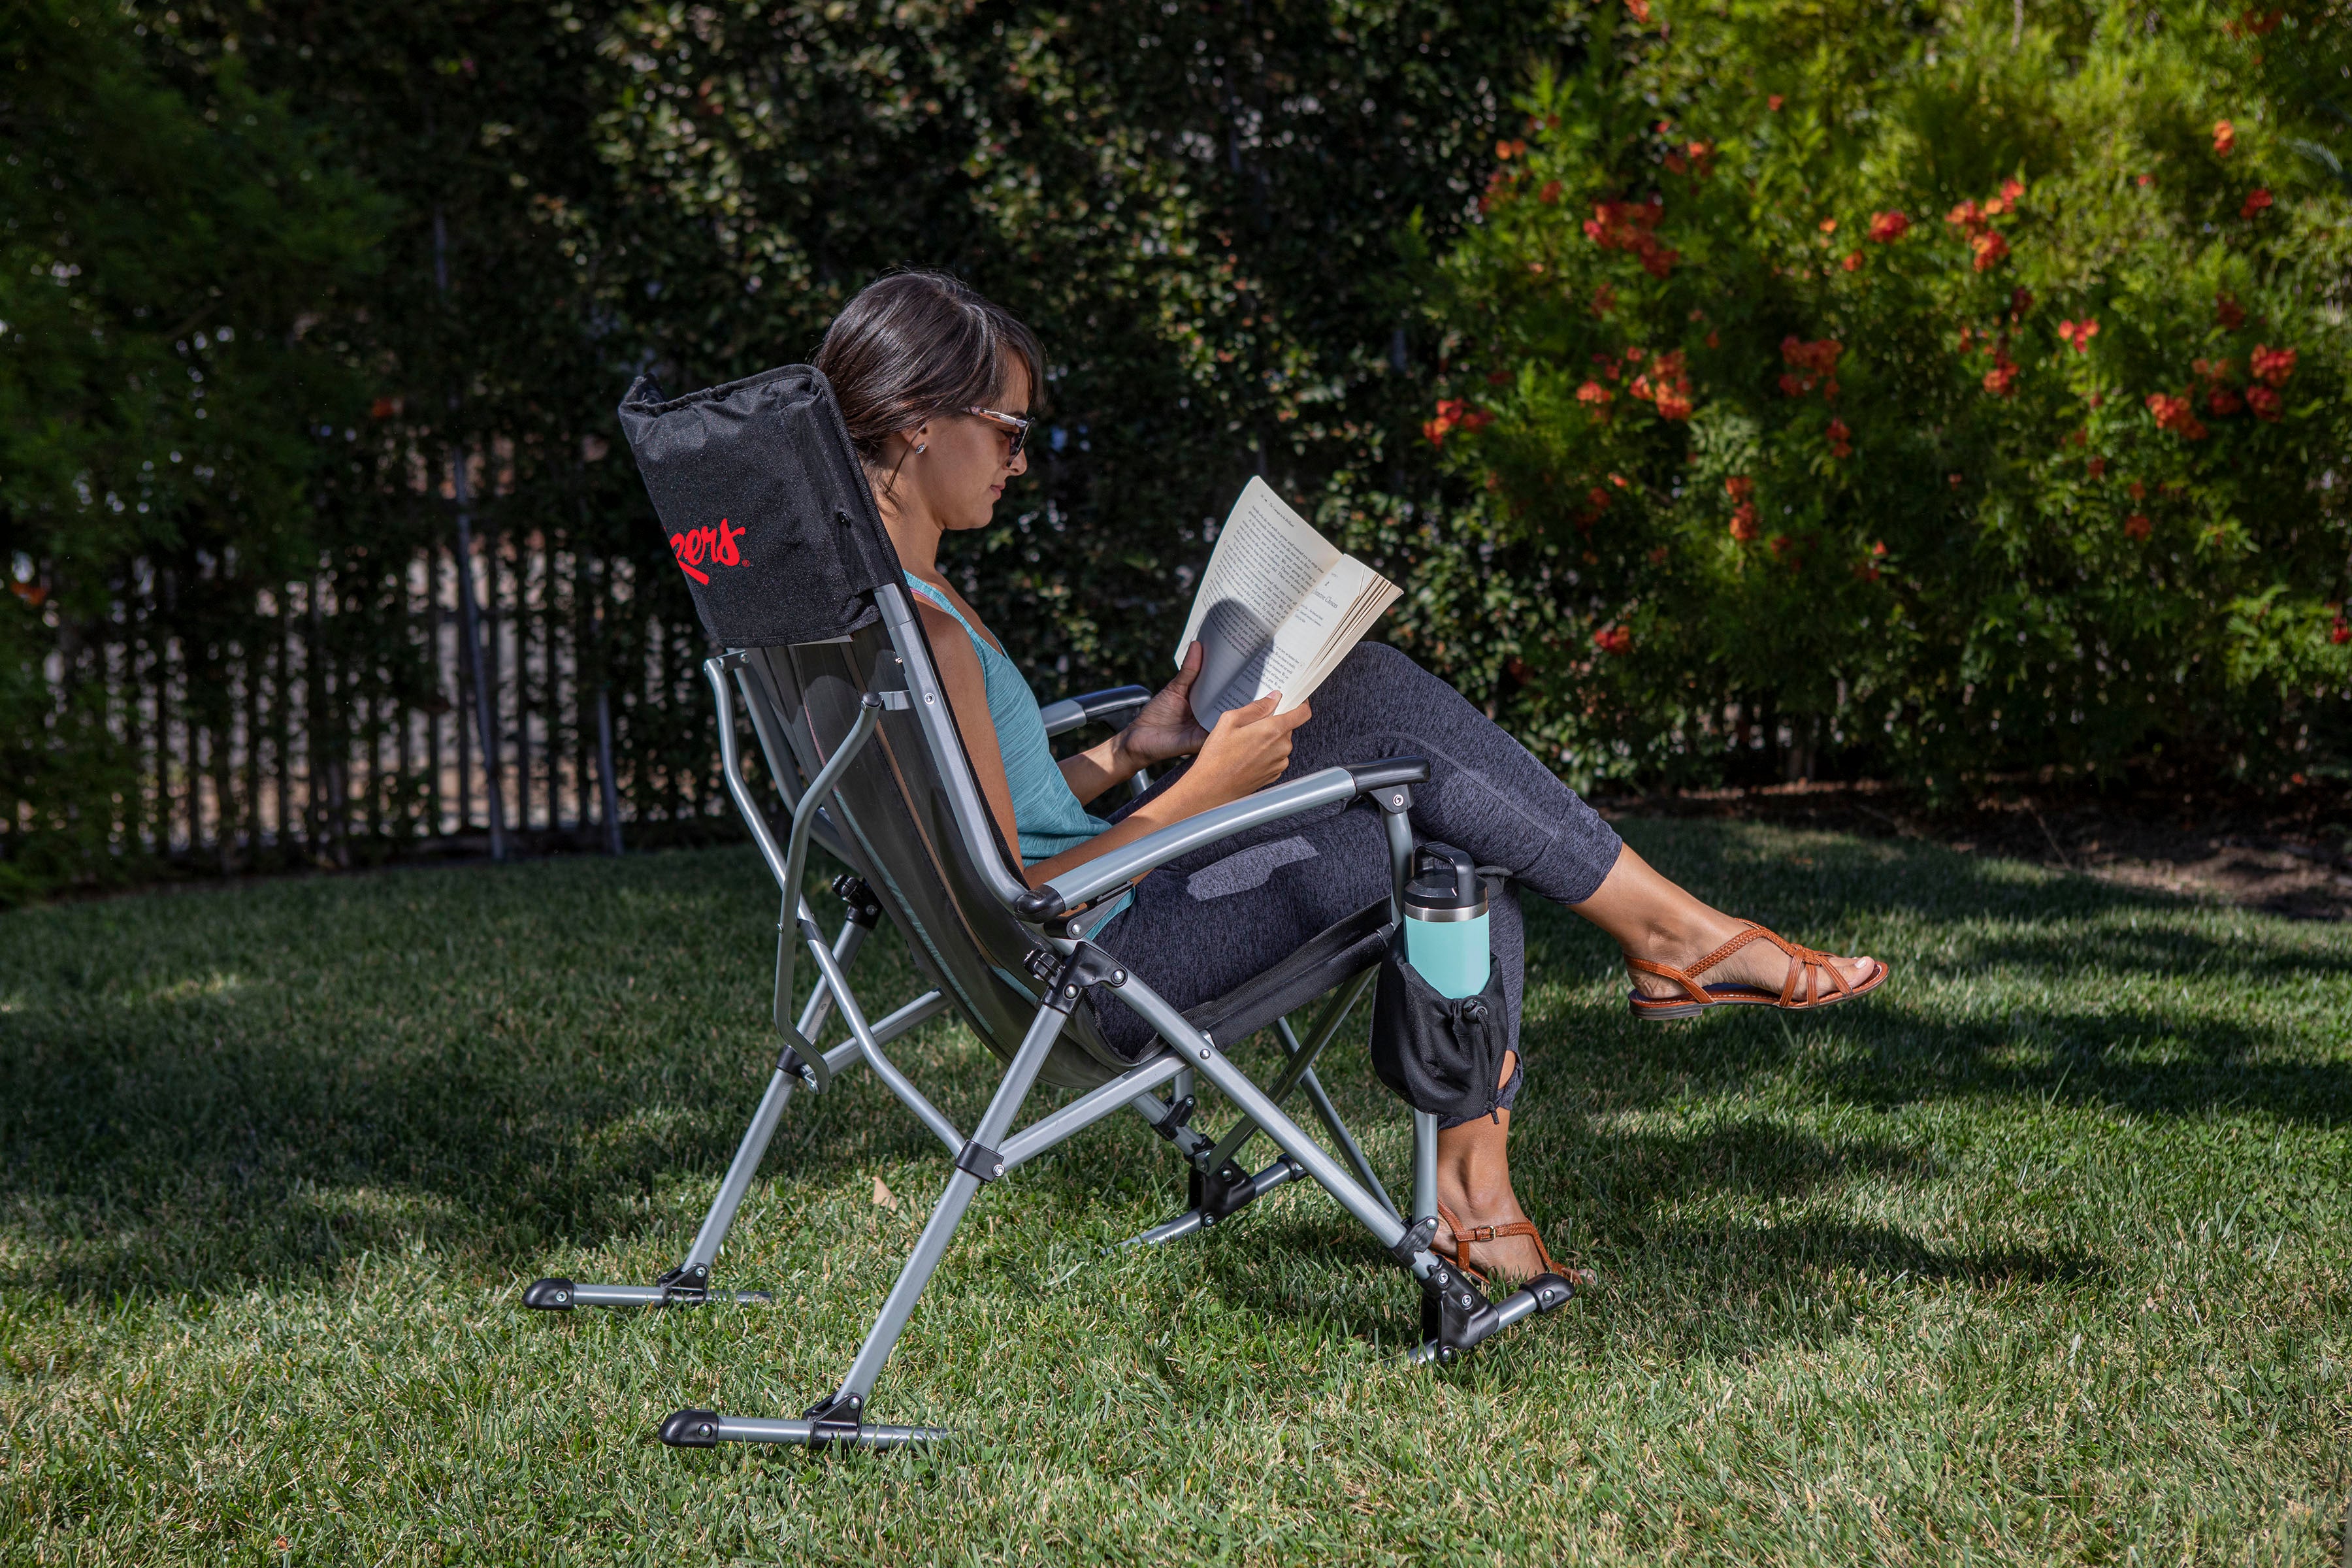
1416	1240
865	908
835	1418
1170	1125
811	1069
1087	965
978	1158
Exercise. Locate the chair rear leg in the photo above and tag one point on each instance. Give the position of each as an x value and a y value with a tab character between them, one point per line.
689	1283
840	1417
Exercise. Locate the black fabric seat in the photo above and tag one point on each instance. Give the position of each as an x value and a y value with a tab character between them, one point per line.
1321	965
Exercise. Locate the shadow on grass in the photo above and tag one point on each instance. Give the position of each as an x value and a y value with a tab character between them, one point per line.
256	1085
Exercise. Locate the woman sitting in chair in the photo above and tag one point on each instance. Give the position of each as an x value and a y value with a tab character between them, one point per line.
934	383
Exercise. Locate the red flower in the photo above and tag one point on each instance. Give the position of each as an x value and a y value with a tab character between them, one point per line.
1449	414
2265	403
2136	490
1853	263
1615	640
2341	632
1550	193
2146	181
2256	200
1967	216
2225	138
1509	149
1599	498
1887	228
1595	396
1743	522
1626	225
2137	526
2079	333
1774	102
1988	248
1840	439
1829	226
1819	359
1739	486
2001	379
1640	9
2173	414
2010	190
2229	312
2273	366
2098	467
2221	403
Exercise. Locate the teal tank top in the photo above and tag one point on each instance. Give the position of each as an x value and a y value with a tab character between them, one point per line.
1048	816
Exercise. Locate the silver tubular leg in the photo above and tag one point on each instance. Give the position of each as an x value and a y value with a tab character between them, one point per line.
1288	1135
1190	1143
1302	1061
1349	1148
1424	1164
1284	1169
748	1155
746	1164
820	1003
871	1049
1089	1109
940	1227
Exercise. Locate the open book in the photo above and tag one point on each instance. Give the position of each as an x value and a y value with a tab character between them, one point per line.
1277	610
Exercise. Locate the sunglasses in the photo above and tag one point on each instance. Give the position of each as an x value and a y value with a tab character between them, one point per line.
1015	429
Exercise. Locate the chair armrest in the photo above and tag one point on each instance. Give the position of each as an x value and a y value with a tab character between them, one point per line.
1092	706
1082	884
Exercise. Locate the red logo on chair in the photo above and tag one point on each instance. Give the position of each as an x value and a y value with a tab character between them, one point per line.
695	546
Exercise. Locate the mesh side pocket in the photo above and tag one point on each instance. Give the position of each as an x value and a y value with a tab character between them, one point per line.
1438	1053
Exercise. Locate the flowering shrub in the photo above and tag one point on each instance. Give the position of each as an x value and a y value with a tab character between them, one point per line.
1970	397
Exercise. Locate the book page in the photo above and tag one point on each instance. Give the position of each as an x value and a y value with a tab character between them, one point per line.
1268	561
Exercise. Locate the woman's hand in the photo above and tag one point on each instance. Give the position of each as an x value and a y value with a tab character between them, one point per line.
1164	727
1246	751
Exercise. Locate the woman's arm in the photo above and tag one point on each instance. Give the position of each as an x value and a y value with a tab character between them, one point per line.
1246	751
967	693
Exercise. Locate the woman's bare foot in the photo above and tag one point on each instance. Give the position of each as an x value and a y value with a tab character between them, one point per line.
1473	1187
1657	920
1512	1258
1759	963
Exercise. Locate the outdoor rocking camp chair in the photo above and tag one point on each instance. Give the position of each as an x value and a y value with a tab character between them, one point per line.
770	517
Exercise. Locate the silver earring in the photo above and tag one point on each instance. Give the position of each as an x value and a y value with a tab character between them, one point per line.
922	447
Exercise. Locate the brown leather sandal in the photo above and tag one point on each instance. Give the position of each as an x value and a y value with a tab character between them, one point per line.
1582	1278
1802	989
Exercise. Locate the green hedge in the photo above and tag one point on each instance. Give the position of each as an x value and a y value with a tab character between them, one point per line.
1256	237
1939	391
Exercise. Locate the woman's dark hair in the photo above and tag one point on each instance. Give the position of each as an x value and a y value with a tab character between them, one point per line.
916	344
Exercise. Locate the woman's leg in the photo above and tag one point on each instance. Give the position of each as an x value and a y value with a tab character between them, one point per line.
1489	796
1486	795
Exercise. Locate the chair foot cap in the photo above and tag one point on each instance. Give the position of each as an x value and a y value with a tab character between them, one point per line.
691	1429
550	1295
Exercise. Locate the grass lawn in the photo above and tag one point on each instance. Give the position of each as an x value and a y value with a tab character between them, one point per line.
2044	1256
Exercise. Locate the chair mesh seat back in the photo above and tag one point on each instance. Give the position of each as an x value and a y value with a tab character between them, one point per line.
771	523
894	817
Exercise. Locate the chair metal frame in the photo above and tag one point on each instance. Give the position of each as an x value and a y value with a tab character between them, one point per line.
1053	921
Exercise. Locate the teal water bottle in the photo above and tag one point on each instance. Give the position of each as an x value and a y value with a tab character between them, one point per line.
1446	921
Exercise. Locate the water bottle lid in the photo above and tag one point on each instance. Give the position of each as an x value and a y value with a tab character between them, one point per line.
1445	886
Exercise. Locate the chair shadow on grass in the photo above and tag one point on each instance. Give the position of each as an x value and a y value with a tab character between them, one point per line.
184	1148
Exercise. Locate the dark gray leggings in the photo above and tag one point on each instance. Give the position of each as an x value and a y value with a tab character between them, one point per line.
1203	925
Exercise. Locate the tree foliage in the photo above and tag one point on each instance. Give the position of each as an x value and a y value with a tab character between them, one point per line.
1957	389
